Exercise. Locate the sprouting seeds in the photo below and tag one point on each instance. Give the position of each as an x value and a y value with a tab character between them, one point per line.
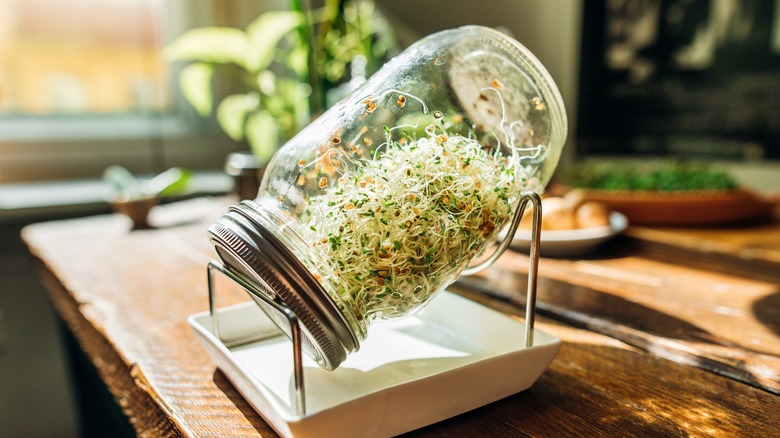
370	105
538	104
393	226
437	215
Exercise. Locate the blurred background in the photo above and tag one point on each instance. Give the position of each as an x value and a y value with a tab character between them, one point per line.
84	85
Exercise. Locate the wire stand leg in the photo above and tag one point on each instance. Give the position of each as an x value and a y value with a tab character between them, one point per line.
533	266
295	328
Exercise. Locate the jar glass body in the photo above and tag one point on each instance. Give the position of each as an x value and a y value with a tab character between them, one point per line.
389	195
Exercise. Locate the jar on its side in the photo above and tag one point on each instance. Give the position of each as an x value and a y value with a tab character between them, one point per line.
386	198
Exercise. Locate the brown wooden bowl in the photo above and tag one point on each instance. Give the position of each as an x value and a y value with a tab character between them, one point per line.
684	208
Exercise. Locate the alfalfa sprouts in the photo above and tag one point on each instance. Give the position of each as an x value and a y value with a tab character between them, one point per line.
395	228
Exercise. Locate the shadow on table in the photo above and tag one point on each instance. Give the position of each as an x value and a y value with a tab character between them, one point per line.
599	311
584	307
246	409
635	324
591	390
767	310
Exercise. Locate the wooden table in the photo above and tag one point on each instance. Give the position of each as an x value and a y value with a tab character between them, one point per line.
658	338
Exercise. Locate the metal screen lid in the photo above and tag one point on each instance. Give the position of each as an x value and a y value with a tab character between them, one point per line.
250	250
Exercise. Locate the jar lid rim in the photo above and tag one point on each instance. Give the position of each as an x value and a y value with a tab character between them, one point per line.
243	235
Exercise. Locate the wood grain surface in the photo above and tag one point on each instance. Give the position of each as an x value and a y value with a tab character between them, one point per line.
126	296
723	317
757	241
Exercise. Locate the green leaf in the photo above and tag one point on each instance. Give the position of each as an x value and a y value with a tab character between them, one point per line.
266	82
289	105
262	132
220	45
171	182
265	33
122	181
232	112
274	104
301	106
298	60
195	84
334	70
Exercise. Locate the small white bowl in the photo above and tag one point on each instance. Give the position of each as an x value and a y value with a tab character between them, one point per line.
569	243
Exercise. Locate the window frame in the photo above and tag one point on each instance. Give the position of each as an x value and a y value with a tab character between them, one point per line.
78	146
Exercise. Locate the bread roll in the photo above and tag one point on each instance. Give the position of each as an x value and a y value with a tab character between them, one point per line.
592	214
557	215
574	198
570	212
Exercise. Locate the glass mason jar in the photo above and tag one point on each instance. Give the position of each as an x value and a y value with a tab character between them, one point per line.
386	198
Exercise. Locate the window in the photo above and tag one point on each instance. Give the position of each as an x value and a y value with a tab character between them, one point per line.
83	86
73	56
681	78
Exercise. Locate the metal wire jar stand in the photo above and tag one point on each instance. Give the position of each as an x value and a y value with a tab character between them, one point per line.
296	334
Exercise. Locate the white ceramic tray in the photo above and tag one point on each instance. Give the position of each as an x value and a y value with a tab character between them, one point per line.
453	356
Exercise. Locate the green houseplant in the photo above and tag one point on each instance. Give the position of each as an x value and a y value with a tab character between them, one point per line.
134	197
281	69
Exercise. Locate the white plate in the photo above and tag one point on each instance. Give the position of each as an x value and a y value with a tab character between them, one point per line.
453	356
567	243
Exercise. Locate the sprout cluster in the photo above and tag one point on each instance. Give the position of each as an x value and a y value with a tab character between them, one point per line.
393	230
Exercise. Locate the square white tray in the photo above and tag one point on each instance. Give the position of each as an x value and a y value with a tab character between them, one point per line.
451	357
